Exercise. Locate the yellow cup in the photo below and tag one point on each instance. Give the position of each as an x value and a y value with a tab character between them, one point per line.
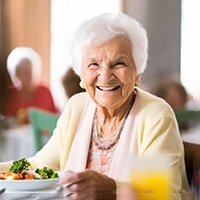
150	178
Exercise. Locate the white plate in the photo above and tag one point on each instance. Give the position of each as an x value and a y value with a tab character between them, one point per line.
29	185
43	194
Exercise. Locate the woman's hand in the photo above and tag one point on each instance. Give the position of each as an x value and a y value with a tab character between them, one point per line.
89	185
127	193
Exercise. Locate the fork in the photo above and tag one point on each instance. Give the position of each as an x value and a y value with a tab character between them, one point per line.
59	192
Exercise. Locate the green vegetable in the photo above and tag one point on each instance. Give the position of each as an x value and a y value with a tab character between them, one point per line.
46	173
19	165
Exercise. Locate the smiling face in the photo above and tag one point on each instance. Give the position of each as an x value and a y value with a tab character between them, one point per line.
109	73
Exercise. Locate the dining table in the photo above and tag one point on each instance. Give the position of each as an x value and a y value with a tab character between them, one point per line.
17	142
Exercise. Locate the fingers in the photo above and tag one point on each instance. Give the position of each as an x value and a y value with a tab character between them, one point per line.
127	192
88	185
71	177
78	191
77	186
77	196
74	185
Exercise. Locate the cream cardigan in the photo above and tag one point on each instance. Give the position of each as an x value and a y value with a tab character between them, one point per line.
150	129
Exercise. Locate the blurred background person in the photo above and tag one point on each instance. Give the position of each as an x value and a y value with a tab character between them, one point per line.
184	105
24	67
70	82
173	92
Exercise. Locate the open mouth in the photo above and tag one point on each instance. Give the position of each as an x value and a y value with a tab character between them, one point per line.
108	88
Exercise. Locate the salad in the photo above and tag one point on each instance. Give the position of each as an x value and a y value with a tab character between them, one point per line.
19	171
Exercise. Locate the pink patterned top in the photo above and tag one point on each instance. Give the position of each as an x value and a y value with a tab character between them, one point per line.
99	159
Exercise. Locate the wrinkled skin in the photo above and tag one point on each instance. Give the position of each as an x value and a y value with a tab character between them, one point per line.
89	185
109	74
127	193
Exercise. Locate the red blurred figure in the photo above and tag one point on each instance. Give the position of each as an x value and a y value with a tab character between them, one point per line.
24	66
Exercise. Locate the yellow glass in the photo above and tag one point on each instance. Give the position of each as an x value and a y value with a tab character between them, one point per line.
150	181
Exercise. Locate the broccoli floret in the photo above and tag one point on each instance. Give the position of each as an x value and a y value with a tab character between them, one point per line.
46	173
19	165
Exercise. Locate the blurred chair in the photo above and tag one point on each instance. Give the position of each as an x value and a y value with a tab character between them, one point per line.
1	139
70	82
187	118
190	151
43	123
1	147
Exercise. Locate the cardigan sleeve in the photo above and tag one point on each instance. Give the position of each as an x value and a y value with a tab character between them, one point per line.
55	153
161	134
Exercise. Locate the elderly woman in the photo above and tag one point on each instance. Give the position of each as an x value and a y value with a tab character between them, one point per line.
24	66
101	129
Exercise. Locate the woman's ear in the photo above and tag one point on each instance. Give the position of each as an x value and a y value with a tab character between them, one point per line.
137	80
81	84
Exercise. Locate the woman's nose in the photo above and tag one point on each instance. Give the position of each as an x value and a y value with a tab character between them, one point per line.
106	74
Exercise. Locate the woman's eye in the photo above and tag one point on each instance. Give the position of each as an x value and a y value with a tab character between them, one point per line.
94	65
119	64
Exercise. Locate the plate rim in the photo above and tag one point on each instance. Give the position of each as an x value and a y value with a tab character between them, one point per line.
21	184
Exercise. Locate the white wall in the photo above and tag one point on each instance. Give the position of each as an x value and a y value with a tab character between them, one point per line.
161	19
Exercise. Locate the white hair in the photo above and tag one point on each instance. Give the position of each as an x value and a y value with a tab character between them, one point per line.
20	53
102	28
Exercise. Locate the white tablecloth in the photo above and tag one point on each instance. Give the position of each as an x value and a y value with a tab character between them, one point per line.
17	143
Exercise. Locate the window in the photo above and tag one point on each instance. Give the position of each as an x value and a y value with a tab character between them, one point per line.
190	42
65	16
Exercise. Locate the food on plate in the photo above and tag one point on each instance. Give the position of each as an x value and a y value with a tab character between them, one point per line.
19	165
46	173
19	171
17	176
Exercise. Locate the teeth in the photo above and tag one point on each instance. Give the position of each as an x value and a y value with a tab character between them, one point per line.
106	88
